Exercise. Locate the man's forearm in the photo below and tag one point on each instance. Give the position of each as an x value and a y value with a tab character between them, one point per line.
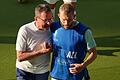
92	56
21	56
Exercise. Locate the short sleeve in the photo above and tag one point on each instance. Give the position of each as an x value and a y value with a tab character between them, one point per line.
89	39
21	40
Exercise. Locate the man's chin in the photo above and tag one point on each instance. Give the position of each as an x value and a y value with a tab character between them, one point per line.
66	27
46	26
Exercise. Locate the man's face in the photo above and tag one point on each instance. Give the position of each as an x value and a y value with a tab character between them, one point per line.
66	19
43	20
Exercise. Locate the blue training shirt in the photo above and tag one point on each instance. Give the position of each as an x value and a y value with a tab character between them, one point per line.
69	47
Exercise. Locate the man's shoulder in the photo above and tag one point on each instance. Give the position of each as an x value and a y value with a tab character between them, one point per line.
81	28
26	26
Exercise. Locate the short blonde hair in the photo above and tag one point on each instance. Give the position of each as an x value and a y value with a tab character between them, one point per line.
67	8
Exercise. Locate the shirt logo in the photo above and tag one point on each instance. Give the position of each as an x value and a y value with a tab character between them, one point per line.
72	55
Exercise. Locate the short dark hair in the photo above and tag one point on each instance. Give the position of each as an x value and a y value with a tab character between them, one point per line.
42	7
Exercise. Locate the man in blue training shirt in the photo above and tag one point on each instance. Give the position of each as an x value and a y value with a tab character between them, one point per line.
71	42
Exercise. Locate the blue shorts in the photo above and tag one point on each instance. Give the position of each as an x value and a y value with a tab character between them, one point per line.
23	75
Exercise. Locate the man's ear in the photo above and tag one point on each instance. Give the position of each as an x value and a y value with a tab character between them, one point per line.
58	14
35	18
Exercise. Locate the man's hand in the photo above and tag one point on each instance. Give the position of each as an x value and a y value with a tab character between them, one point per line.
37	51
43	48
76	68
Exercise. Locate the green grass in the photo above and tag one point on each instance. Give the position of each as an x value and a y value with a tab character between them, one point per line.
7	61
102	16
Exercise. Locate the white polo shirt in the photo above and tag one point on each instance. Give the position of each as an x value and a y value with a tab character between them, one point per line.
28	39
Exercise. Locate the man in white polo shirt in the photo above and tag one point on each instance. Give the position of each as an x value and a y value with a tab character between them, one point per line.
33	46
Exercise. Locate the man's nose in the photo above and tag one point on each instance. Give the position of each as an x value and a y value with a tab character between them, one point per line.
48	22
